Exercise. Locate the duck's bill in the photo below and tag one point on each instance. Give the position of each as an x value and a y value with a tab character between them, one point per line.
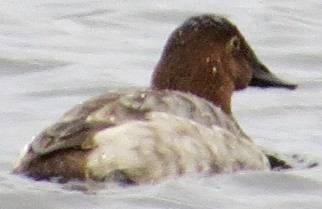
263	78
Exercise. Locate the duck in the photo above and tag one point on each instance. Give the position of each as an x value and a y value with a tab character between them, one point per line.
181	125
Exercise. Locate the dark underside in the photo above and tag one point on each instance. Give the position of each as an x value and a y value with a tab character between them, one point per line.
64	164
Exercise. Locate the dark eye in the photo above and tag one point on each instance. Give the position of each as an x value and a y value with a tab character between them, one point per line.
235	43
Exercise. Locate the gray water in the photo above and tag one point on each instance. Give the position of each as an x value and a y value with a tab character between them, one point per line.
57	53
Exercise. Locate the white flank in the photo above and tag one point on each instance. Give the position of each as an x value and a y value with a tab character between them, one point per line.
167	145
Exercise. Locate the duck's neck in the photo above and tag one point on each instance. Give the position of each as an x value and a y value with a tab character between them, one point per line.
216	88
192	64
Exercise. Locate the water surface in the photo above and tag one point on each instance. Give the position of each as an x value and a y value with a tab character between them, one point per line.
54	54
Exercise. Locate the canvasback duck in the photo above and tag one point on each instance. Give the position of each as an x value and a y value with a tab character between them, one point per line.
182	125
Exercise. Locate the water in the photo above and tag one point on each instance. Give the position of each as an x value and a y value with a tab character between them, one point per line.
54	54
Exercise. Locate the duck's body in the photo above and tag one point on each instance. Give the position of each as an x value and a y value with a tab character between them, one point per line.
141	136
146	135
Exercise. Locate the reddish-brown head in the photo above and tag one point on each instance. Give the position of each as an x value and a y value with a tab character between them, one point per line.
209	57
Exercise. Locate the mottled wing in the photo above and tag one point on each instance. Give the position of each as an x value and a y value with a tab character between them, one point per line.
73	130
63	135
77	126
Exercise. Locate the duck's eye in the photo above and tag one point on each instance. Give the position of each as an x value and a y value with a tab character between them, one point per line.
235	43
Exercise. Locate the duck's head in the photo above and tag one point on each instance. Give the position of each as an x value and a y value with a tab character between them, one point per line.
209	57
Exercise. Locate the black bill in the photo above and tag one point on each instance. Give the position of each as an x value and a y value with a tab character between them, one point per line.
263	78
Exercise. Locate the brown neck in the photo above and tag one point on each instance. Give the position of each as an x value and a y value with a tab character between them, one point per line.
203	76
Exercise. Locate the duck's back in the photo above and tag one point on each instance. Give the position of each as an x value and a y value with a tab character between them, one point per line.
142	136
